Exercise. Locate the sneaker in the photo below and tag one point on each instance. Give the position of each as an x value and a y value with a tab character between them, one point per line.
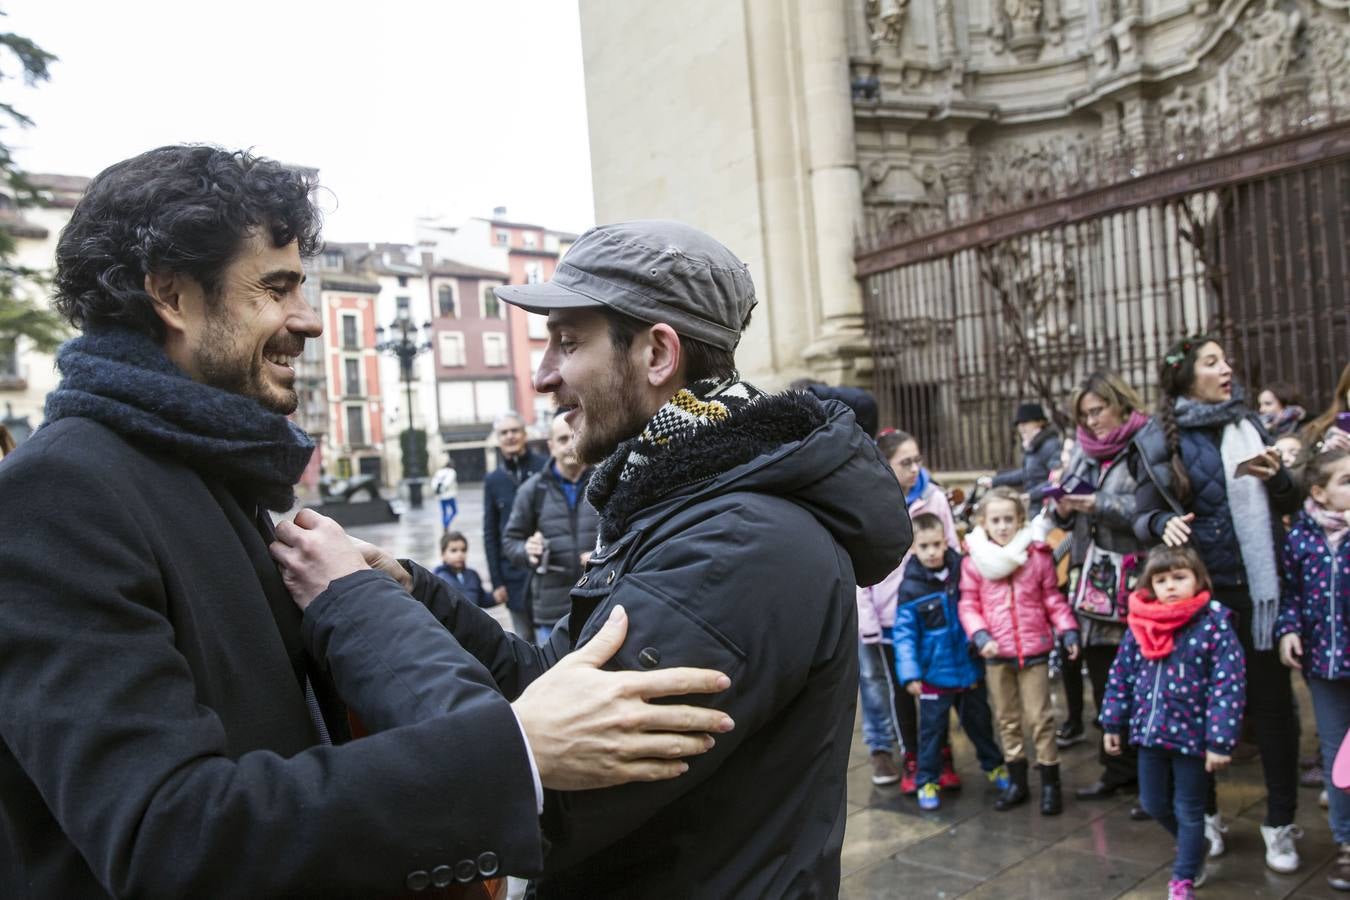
884	770
1068	734
1201	877
1180	889
909	782
1312	777
928	797
999	778
1323	801
1281	854
1214	832
1339	876
948	780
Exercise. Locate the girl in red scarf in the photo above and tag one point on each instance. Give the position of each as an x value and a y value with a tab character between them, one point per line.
1178	683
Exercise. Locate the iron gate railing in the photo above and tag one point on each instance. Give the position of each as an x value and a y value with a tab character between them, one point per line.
1242	229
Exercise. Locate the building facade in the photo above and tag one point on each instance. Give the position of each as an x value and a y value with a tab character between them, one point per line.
806	135
355	442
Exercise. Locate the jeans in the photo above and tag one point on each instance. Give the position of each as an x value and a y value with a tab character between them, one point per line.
449	509
521	624
542	634
1272	718
1331	708
972	708
881	699
1161	773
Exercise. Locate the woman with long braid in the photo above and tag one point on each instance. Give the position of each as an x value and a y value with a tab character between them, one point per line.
1207	477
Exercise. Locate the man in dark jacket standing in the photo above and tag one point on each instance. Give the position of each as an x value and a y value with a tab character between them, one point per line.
1041	447
734	527
552	530
163	732
516	462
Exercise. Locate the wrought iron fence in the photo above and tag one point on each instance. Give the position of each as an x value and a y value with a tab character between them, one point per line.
1240	228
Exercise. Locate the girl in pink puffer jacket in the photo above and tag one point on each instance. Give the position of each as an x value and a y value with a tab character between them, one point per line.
1010	609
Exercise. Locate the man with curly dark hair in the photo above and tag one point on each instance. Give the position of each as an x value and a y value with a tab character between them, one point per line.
163	731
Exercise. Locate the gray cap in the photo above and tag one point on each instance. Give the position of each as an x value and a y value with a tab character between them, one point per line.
654	270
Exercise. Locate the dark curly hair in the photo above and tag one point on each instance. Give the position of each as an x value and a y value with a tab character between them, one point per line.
1176	377
182	209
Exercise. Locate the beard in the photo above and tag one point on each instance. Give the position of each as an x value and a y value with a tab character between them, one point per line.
224	366
613	414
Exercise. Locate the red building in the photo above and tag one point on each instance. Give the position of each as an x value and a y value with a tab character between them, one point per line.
355	429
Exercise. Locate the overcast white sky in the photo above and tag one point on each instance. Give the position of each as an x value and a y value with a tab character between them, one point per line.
405	107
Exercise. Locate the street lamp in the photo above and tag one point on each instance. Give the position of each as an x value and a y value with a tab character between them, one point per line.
406	344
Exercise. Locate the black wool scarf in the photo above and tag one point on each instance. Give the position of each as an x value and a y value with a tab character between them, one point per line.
122	379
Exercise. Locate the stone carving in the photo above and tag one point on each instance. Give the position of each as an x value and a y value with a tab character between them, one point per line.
886	18
1328	58
1181	118
1024	173
1036	280
1018	28
1270	45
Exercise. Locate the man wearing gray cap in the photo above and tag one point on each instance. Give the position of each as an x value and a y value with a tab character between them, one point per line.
734	526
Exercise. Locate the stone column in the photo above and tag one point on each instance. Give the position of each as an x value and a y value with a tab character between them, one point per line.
836	192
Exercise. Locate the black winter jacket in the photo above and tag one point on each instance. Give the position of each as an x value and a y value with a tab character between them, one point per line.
742	558
499	497
154	735
1033	475
570	531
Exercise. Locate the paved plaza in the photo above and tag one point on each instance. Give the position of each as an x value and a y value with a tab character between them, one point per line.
966	849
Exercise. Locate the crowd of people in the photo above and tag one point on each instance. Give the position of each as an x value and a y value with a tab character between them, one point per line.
1189	557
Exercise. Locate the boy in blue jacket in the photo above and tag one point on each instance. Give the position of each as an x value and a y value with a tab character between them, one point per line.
454	569
934	659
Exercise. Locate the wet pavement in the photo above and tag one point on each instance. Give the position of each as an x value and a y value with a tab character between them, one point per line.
966	848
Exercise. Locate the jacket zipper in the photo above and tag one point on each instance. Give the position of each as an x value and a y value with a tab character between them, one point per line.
1332	604
1017	629
1153	700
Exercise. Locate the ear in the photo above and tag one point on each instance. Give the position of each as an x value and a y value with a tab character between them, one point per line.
1319	494
165	290
663	356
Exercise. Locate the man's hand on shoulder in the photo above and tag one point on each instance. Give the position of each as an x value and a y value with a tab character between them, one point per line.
313	552
590	728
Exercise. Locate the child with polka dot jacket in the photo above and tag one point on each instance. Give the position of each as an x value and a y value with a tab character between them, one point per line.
1314	623
1177	681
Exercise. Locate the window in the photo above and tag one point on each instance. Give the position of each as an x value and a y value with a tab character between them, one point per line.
534	273
452	348
492	398
492	307
404	306
494	349
332	260
529	239
537	326
456	402
445	302
503	238
350	338
9	359
351	378
356	426
536	360
403	281
543	410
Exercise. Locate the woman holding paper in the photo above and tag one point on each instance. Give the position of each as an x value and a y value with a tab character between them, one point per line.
1096	505
1208	478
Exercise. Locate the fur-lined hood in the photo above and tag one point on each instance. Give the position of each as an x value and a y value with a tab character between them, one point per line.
789	445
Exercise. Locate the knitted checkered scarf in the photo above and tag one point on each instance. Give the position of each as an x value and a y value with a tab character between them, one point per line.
694	410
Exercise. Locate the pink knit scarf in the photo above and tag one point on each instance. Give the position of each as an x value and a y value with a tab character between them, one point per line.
1334	524
1109	447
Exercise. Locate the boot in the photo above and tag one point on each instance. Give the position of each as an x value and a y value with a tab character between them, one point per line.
1052	800
948	780
1017	792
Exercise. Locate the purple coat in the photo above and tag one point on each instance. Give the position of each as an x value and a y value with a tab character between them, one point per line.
1188	702
1315	602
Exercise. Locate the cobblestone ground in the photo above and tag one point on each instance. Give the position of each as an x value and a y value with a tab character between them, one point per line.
966	849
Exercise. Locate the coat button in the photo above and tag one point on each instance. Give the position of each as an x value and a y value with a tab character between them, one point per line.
418	880
442	876
488	864
584	579
609	579
649	657
466	870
